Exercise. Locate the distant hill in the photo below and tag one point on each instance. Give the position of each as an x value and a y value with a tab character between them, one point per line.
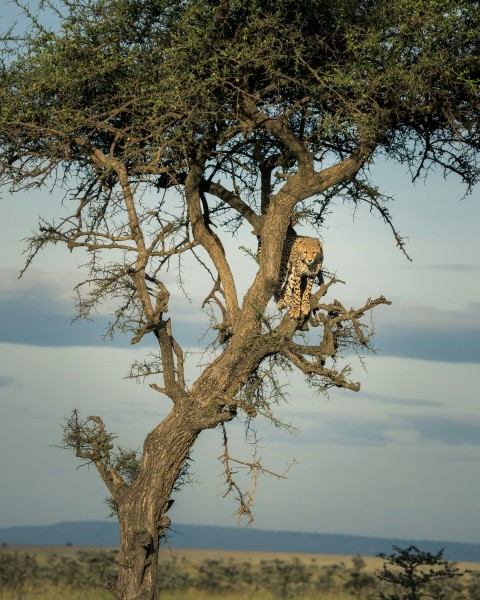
208	537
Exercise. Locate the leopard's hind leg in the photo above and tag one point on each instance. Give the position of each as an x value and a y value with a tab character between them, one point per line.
294	300
305	305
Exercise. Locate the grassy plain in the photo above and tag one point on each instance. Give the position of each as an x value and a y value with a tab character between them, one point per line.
188	560
64	593
195	557
59	593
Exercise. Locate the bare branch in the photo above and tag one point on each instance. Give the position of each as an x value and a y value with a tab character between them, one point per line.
233	200
278	126
209	240
317	367
224	328
254	469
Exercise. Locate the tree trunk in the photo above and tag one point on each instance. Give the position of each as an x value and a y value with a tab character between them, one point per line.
142	507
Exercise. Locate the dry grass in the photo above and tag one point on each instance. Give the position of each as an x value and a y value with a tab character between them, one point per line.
189	559
62	593
59	593
261	595
47	551
195	557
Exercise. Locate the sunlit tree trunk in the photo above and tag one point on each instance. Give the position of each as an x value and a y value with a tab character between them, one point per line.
142	507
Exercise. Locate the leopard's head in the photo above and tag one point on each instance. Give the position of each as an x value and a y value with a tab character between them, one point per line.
311	255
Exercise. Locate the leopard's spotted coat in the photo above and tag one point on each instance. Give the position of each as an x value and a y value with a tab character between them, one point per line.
302	260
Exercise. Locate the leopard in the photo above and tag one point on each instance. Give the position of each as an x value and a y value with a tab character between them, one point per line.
301	264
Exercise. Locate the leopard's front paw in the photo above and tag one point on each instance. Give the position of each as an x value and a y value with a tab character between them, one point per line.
306	308
281	304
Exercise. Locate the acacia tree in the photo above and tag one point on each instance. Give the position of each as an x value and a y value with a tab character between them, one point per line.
417	572
237	112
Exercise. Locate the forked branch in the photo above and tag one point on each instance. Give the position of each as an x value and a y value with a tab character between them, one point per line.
223	328
173	374
254	469
208	239
341	328
93	443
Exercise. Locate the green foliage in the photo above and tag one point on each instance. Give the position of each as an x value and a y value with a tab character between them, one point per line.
223	576
126	462
18	573
135	77
24	576
84	573
87	570
285	579
361	585
418	573
173	576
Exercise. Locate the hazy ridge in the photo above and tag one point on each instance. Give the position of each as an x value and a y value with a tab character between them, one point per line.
209	537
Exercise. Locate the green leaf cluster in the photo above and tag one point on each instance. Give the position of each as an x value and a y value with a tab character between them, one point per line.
150	80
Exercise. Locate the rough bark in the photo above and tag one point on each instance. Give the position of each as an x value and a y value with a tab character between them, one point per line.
142	507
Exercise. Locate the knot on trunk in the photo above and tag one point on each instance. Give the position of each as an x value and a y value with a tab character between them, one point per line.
144	539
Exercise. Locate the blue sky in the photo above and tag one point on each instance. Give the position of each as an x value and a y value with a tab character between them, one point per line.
400	458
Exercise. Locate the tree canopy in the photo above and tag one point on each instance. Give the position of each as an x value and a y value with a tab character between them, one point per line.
297	85
235	112
264	106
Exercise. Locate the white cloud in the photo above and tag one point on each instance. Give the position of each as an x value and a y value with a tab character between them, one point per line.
389	461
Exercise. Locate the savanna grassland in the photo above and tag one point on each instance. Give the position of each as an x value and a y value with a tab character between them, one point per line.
56	573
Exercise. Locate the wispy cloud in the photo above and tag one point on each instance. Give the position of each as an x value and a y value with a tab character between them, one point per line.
460	346
39	310
356	430
456	268
7	381
397	400
443	429
429	333
383	430
455	458
409	314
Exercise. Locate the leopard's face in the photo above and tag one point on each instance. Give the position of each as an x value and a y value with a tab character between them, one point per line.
309	256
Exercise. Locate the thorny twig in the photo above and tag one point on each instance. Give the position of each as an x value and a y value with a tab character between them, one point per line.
245	498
